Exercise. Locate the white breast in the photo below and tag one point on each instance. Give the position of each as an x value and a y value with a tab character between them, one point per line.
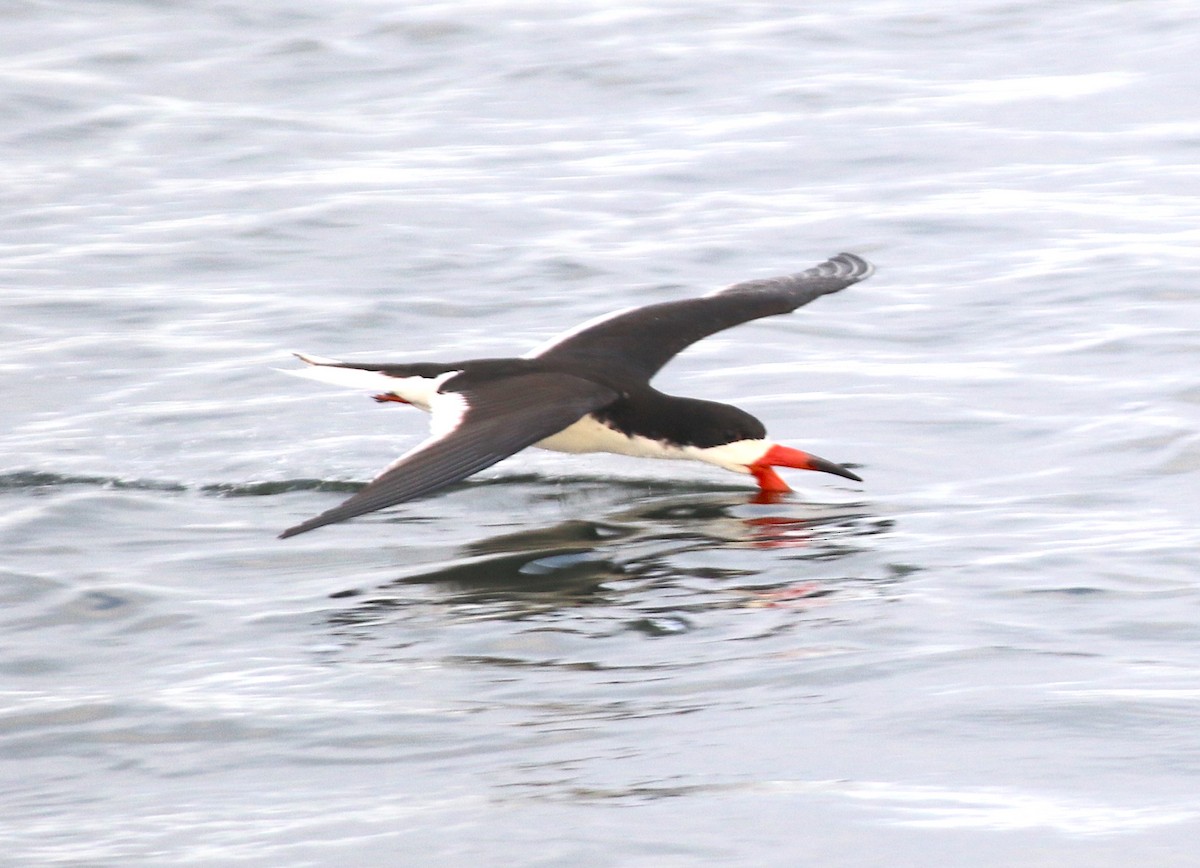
591	435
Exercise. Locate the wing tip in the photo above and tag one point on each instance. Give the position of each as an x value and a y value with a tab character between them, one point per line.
834	274
310	359
847	266
311	524
302	527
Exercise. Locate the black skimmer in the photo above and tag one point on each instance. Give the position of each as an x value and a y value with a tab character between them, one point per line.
587	390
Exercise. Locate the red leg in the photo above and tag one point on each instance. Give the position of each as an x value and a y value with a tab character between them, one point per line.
390	396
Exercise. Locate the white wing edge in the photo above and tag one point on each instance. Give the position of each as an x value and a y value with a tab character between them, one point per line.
562	337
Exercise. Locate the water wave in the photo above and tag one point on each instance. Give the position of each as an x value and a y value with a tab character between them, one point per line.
27	480
33	480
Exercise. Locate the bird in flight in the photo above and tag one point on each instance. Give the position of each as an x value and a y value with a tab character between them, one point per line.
587	390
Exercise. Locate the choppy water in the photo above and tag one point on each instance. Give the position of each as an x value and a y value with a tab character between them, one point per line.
989	654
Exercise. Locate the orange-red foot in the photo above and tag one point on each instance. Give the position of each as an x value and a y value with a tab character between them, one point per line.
390	397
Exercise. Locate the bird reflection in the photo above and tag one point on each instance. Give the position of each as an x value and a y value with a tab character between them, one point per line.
657	543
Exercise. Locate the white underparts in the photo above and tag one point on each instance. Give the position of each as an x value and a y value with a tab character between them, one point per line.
736	456
591	435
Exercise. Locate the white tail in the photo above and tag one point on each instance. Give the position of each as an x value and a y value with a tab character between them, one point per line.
325	371
415	390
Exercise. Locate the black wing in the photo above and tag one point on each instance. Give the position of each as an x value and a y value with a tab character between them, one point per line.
639	342
473	428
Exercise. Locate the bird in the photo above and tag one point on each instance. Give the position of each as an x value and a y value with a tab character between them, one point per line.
586	390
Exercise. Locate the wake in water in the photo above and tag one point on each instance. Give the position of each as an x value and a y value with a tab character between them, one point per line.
33	480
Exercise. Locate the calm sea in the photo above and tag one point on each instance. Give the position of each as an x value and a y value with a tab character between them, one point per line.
986	655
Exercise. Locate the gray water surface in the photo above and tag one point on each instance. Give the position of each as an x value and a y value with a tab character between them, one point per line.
987	654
